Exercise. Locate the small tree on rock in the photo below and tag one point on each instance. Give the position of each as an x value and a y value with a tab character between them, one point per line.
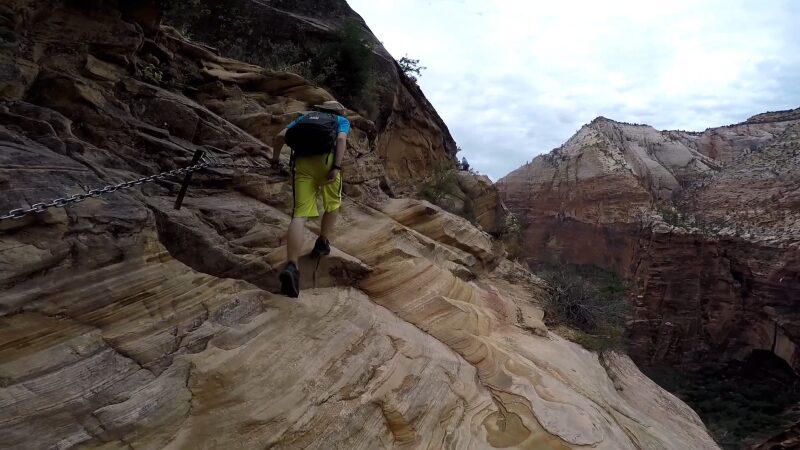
411	67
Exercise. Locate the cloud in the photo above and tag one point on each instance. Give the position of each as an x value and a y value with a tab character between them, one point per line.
515	79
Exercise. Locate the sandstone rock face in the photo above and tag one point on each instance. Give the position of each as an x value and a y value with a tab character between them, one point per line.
411	137
466	194
486	209
706	225
125	323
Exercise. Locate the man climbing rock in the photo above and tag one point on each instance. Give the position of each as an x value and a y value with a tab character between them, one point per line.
318	140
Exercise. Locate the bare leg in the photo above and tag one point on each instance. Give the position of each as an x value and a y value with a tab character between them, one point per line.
294	238
329	223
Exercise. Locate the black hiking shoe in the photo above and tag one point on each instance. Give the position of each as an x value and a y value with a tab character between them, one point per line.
321	248
290	280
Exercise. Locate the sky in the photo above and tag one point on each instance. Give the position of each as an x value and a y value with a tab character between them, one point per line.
514	79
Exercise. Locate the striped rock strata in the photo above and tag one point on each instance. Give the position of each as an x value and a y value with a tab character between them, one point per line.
705	225
125	323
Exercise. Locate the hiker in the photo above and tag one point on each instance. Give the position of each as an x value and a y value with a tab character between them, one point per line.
318	140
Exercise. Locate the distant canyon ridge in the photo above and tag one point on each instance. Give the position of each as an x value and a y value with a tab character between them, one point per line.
706	226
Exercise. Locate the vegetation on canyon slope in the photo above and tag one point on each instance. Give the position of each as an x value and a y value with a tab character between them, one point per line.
740	403
590	300
442	189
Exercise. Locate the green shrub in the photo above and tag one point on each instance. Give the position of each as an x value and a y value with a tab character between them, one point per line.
183	14
510	234
592	301
152	74
469	209
737	408
441	187
673	216
411	68
514	249
601	340
346	66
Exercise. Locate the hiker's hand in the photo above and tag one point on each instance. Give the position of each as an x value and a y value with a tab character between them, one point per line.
332	175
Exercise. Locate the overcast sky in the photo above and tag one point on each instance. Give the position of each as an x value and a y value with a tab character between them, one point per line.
514	79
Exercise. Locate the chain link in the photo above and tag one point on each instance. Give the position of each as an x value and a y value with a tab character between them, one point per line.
239	166
215	163
98	192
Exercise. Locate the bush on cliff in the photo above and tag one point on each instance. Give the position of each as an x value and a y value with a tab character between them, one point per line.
443	190
411	68
443	183
590	300
741	403
510	234
346	67
342	62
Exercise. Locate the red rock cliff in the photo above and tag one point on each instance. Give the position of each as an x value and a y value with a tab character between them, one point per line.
706	225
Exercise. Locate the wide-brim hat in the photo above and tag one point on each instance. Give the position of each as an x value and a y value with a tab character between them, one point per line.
331	106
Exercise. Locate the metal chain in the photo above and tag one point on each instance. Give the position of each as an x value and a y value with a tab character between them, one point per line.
255	165
95	193
238	166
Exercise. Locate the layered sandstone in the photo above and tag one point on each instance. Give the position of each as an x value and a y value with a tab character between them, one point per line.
705	225
125	323
411	137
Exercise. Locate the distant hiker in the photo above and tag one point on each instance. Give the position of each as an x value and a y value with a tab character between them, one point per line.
318	140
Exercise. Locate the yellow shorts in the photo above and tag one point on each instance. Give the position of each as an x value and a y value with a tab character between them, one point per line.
310	179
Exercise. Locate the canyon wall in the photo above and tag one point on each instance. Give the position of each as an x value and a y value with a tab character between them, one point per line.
706	226
411	137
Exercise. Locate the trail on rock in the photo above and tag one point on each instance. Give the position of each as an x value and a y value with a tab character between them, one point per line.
127	323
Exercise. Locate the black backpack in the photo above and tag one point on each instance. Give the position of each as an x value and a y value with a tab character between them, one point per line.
314	134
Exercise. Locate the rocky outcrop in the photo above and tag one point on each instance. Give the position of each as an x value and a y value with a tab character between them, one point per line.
482	202
411	137
705	225
126	323
466	194
787	440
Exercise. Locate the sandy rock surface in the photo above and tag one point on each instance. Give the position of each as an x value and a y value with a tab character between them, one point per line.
125	323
